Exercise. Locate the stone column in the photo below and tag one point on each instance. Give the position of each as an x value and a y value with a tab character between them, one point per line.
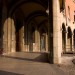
13	38
66	42
9	34
21	38
46	42
56	33
72	42
38	42
35	45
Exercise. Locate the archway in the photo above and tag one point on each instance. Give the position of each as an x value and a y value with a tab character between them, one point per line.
24	20
31	17
32	35
63	38
74	39
43	38
69	40
19	30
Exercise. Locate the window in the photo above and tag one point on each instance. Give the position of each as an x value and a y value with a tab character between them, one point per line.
68	12
74	16
74	1
62	5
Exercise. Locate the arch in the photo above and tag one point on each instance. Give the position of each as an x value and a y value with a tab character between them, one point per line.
43	37
74	39
43	27
32	39
35	14
31	32
17	30
69	32
42	23
63	38
69	40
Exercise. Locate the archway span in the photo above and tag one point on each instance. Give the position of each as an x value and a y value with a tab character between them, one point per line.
29	17
69	40
43	30
69	32
18	29
35	14
63	38
44	22
74	39
19	19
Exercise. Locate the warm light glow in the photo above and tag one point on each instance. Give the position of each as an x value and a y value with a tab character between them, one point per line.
47	11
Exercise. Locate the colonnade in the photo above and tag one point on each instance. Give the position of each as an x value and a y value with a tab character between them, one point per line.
54	33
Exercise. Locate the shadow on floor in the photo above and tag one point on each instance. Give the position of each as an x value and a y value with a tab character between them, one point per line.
43	57
68	55
73	61
8	73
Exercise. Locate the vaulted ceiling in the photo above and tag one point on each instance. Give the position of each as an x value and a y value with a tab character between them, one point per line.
31	10
11	3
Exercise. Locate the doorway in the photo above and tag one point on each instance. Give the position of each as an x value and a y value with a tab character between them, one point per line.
17	42
32	39
43	42
19	37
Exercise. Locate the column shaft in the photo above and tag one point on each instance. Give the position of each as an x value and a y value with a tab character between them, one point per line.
72	43
13	38
56	33
9	34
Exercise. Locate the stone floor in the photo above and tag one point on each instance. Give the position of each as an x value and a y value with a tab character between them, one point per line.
68	64
22	63
68	59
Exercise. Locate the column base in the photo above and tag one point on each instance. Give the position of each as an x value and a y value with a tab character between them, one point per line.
57	60
54	60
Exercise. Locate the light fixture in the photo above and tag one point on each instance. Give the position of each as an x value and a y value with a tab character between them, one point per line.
47	11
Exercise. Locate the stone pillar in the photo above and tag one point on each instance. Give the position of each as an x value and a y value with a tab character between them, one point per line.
66	42
56	33
38	37
35	45
37	41
25	37
13	38
72	42
46	42
21	38
9	34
